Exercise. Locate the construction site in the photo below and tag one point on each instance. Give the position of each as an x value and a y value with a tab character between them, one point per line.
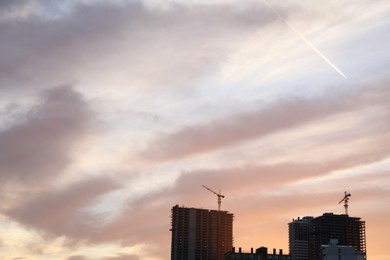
200	234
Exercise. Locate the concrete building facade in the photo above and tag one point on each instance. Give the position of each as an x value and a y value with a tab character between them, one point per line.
199	234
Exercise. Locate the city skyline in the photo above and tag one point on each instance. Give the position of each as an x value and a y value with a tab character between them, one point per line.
114	111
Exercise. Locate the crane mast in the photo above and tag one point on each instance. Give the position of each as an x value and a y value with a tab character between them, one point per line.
346	199
219	195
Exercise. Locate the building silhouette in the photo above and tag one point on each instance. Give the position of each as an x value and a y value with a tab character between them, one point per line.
307	235
200	233
300	242
349	231
261	253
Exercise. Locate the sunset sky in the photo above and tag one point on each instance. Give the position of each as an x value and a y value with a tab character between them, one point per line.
112	112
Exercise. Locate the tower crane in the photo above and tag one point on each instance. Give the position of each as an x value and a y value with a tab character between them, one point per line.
346	199
219	195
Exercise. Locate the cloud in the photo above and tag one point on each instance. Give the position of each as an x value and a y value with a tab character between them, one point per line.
38	146
257	177
77	257
131	43
6	4
63	209
11	6
281	115
124	257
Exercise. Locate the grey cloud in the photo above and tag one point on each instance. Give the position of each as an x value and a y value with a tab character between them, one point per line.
39	144
5	4
188	41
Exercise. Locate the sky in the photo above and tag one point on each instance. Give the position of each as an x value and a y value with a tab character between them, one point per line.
113	112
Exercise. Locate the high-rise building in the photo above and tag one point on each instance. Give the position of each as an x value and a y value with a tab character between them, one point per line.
200	233
349	231
307	235
300	242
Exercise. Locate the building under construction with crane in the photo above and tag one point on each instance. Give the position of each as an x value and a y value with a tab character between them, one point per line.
349	231
199	234
308	234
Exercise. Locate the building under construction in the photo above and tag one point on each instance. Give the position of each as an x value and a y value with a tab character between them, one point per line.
307	235
349	231
200	233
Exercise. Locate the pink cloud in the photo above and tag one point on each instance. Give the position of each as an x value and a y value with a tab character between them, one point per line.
282	115
58	212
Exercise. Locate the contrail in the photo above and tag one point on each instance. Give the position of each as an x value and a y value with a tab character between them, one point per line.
306	40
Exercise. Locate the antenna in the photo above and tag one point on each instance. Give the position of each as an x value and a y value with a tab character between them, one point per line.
346	199
219	195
